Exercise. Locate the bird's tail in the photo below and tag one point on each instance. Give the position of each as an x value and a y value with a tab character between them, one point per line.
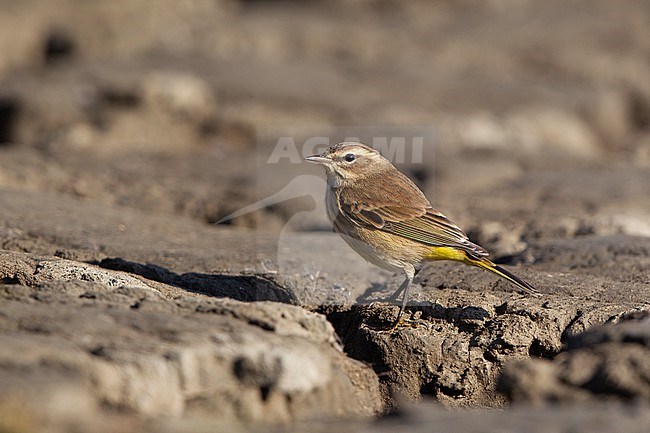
496	269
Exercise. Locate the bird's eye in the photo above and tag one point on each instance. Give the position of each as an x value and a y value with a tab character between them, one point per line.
350	157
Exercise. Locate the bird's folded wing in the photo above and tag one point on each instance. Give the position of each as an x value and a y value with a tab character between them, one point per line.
420	223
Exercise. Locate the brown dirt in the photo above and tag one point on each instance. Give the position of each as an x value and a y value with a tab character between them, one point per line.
127	131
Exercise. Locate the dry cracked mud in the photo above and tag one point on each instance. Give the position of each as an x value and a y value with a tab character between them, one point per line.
128	131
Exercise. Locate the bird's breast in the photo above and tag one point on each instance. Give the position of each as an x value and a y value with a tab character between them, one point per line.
331	204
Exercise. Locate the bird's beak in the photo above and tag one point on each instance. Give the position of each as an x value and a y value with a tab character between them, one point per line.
318	159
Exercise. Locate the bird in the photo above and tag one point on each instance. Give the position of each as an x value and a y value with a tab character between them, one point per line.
383	216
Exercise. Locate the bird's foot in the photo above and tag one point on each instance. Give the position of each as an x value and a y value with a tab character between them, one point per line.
400	323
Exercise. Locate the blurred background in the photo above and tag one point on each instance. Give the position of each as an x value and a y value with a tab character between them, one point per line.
541	110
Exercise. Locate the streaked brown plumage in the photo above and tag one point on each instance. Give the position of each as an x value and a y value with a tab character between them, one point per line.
385	217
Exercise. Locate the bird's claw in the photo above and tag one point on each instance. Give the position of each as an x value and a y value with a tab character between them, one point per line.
400	323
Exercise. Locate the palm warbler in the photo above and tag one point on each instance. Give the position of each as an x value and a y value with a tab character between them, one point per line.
385	218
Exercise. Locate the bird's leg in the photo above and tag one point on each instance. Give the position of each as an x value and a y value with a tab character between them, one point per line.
409	272
402	287
405	289
396	295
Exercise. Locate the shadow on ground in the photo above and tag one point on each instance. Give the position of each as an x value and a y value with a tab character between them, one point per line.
247	288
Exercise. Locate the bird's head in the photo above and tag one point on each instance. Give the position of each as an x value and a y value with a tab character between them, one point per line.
350	161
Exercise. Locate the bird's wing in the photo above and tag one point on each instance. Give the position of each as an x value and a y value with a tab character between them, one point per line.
411	217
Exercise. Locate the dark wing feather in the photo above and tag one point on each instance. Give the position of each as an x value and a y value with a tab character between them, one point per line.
412	218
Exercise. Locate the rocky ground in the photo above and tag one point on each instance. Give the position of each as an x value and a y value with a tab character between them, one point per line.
127	131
